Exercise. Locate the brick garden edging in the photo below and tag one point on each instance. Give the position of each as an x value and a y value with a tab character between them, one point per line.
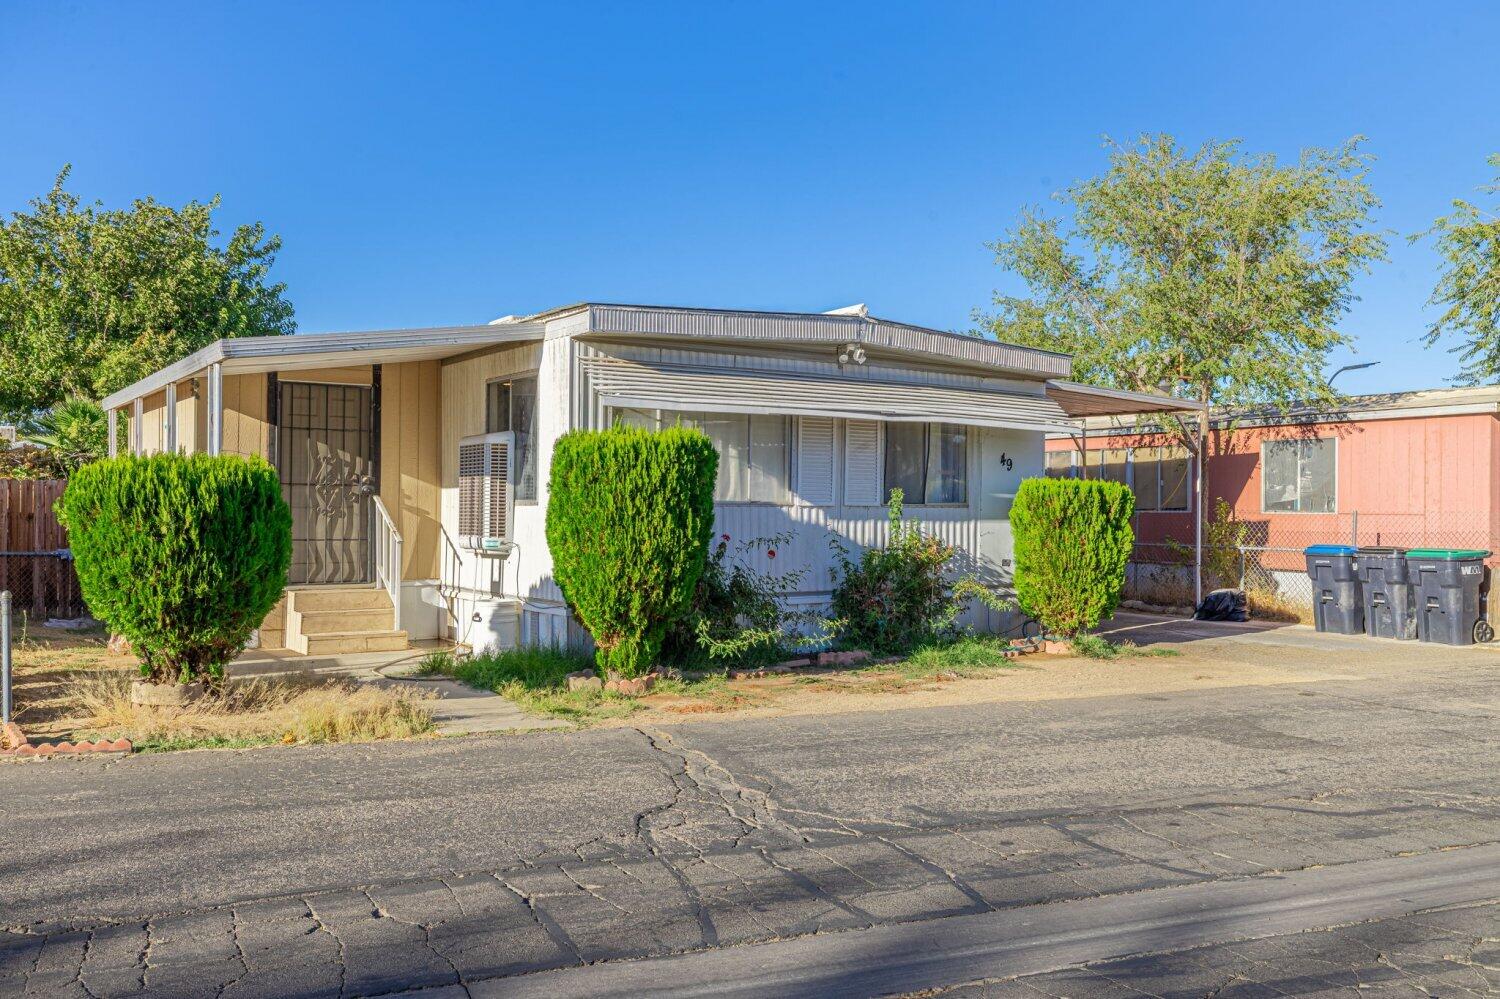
19	747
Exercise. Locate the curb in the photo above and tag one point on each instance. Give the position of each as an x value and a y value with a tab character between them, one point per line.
21	748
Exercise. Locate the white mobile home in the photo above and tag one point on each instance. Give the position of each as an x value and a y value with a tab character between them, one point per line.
416	461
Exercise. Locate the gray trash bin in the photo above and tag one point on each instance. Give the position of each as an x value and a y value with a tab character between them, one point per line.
1390	603
1448	584
1338	605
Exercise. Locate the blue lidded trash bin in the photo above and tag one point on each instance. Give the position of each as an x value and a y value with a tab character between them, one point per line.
1390	598
1338	603
1449	584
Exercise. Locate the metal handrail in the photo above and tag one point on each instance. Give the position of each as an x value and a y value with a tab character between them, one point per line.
385	541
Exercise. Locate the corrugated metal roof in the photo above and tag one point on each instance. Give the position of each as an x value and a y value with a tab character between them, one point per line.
630	383
729	326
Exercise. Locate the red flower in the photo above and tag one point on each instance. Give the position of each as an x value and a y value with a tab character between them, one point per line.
724	537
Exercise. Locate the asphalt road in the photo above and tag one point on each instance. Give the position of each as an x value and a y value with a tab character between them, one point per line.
343	871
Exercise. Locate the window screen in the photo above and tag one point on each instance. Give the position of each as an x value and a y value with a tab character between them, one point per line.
511	405
928	462
1060	464
1298	476
1160	478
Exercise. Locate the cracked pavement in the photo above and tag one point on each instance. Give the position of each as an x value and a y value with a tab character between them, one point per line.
347	871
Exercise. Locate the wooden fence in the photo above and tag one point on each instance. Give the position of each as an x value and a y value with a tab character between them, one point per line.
35	564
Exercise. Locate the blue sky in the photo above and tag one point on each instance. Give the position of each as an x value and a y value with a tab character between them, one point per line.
447	163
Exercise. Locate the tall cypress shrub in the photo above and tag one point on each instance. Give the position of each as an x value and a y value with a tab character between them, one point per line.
1072	542
183	555
629	516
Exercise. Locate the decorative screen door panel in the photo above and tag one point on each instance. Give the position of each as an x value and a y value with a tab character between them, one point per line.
324	453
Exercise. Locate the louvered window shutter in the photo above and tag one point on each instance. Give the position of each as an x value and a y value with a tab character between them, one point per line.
862	461
815	460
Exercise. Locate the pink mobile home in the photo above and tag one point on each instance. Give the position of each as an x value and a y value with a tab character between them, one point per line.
1412	469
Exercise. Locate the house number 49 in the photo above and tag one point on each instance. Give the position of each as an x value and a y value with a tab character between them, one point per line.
1007	462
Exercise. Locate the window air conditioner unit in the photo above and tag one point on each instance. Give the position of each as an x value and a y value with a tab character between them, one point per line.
486	492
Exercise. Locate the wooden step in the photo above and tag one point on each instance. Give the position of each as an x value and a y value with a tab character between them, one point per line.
338	598
325	622
345	642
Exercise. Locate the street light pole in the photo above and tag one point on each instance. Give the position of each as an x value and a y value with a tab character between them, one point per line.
1349	367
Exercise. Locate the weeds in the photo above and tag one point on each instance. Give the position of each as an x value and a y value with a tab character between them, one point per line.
254	713
1099	647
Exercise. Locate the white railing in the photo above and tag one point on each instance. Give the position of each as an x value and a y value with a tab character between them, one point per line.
385	542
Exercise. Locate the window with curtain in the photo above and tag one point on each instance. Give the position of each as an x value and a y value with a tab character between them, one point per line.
754	450
928	462
510	405
1160	478
1298	476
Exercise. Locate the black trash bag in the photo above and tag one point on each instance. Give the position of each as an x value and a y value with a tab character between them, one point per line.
1223	605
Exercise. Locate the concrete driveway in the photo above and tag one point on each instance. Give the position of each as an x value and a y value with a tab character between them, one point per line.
464	863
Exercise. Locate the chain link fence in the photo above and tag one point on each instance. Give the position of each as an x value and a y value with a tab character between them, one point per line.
1264	557
42	585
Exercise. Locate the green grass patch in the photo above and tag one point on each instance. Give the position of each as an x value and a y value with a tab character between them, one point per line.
1098	647
971	655
173	744
536	679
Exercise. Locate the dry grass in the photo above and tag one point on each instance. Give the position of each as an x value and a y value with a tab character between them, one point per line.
1268	605
253	712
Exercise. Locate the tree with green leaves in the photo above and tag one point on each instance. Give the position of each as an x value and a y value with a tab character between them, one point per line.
1468	288
1211	275
92	299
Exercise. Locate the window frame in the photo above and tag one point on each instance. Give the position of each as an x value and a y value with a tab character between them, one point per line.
969	441
535	375
1264	478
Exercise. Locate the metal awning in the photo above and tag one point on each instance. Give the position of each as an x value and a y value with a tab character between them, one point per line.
1080	401
857	397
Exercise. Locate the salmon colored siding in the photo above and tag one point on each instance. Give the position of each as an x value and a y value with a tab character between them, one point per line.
1411	480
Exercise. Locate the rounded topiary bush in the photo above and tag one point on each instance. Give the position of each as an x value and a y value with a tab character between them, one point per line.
629	516
1072	541
183	555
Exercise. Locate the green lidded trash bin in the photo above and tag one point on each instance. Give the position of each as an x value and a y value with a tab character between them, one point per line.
1338	606
1390	600
1448	584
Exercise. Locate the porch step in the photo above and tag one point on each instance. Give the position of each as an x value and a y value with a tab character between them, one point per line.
328	620
341	642
339	598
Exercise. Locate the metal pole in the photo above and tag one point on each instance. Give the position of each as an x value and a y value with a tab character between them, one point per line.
1198	519
5	657
1354	528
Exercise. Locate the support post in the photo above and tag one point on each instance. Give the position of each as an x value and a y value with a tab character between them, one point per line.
215	408
114	433
5	656
169	430
1202	456
137	423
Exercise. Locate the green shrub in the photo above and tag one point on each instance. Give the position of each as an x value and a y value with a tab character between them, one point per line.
184	556
629	516
903	595
739	615
1072	541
